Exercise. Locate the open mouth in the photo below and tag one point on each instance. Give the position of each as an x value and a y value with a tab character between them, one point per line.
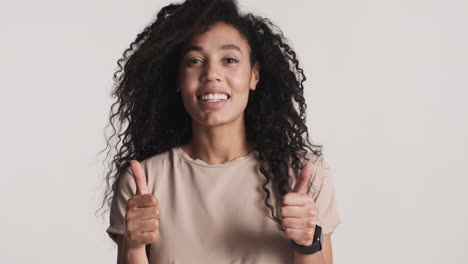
213	99
212	102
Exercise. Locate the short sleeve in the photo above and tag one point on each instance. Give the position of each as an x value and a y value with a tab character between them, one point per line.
322	189
126	189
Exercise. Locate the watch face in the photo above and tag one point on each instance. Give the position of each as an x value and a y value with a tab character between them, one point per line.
316	244
320	237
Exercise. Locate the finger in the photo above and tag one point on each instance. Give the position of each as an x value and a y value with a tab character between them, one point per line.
144	213
140	177
297	199
300	236
304	178
150	236
142	237
297	211
148	225
142	201
142	225
291	222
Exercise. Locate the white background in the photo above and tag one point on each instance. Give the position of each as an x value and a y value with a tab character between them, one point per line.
387	97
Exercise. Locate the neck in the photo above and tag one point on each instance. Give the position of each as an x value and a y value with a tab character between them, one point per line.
220	144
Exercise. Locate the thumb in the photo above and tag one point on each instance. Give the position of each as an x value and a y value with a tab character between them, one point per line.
304	178
139	176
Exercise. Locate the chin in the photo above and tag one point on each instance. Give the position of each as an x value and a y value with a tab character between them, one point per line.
214	121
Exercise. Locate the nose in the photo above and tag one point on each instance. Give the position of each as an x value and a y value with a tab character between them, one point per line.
211	72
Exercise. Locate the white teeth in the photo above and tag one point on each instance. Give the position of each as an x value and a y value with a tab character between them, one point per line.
213	97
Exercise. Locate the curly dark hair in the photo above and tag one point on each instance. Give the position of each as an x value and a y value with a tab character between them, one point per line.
147	101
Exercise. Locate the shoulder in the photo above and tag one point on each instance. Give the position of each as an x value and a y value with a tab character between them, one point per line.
152	166
322	170
156	161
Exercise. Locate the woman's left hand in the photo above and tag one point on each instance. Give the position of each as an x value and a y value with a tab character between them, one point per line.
298	210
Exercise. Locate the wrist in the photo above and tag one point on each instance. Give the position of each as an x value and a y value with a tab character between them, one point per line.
136	255
136	250
314	247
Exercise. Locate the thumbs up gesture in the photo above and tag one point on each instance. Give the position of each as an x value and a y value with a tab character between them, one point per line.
142	212
298	211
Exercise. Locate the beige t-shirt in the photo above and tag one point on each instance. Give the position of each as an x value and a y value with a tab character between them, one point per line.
215	213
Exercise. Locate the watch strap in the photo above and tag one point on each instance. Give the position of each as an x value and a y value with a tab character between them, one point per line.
314	247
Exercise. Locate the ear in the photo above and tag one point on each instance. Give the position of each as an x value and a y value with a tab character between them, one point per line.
255	76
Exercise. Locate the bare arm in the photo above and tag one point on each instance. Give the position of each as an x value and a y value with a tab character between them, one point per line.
130	256
325	256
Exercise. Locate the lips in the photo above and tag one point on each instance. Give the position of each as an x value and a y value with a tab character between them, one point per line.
213	91
200	95
205	104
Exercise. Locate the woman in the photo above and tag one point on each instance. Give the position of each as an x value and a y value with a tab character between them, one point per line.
208	96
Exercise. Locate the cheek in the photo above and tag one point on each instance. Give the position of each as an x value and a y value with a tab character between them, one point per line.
239	80
187	84
240	97
187	75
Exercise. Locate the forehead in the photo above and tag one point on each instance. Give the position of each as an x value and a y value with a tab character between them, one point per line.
219	36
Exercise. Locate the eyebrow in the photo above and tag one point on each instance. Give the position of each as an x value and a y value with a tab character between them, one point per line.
223	47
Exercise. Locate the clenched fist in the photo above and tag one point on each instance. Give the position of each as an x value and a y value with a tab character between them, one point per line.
142	212
298	211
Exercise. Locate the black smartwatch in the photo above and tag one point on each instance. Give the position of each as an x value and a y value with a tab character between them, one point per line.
314	247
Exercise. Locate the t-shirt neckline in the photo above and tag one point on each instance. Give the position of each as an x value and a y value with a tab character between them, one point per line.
200	162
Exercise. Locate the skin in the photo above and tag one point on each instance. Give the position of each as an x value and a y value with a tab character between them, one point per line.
299	219
219	136
141	221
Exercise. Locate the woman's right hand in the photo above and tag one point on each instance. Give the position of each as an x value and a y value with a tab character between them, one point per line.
142	213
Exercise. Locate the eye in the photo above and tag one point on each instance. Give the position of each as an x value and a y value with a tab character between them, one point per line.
192	61
232	60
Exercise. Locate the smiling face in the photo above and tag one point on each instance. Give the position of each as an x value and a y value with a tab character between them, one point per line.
215	65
